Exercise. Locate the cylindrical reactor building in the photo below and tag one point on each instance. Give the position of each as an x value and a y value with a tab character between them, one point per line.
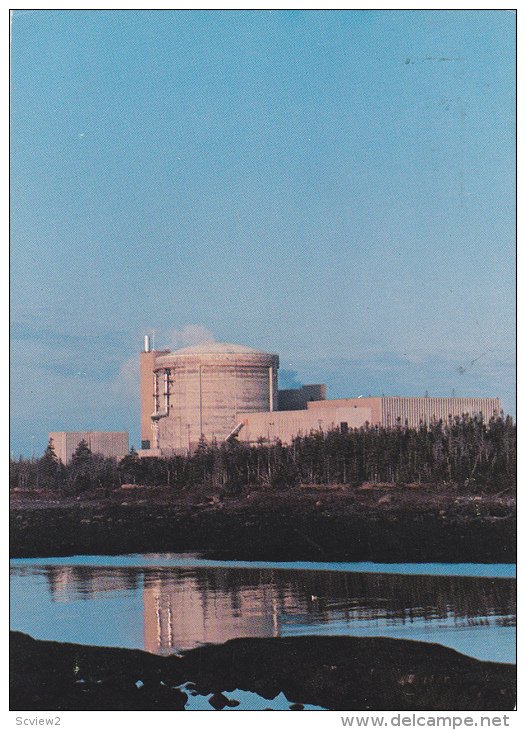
198	392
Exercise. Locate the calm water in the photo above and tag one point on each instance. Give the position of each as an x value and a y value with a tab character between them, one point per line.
171	603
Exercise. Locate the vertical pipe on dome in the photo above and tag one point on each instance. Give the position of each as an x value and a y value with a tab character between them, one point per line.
200	401
271	387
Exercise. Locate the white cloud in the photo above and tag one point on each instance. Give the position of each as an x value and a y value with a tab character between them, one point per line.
127	381
190	334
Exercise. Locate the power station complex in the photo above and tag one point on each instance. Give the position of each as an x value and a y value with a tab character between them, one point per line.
219	391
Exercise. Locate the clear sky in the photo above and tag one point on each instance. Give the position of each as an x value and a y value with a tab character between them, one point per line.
334	186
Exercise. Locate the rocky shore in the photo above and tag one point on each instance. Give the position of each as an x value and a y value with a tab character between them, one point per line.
339	673
309	523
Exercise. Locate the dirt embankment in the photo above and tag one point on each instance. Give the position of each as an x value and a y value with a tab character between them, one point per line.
338	672
308	523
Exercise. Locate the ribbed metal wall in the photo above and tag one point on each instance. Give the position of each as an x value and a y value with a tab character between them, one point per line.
107	443
398	410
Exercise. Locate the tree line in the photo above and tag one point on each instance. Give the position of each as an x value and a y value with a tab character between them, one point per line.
464	451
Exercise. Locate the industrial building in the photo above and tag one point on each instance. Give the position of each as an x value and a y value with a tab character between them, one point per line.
346	413
197	392
106	443
217	391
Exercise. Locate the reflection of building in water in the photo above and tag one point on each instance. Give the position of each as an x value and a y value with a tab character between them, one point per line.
69	583
178	615
60	581
185	607
212	606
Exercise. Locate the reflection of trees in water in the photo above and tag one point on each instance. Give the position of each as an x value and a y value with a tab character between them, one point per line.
78	581
319	594
253	602
354	595
428	596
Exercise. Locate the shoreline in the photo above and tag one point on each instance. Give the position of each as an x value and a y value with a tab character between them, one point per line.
306	524
492	571
338	673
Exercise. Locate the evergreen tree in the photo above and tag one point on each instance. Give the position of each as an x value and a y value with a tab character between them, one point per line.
82	454
465	453
81	469
50	468
131	468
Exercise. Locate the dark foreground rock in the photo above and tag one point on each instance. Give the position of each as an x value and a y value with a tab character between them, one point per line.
340	524
339	673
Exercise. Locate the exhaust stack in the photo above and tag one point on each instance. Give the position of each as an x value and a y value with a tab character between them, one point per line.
147	347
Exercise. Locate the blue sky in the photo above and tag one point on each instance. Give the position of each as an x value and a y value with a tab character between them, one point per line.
334	186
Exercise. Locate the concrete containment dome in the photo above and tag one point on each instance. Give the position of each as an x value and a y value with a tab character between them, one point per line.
211	348
199	391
